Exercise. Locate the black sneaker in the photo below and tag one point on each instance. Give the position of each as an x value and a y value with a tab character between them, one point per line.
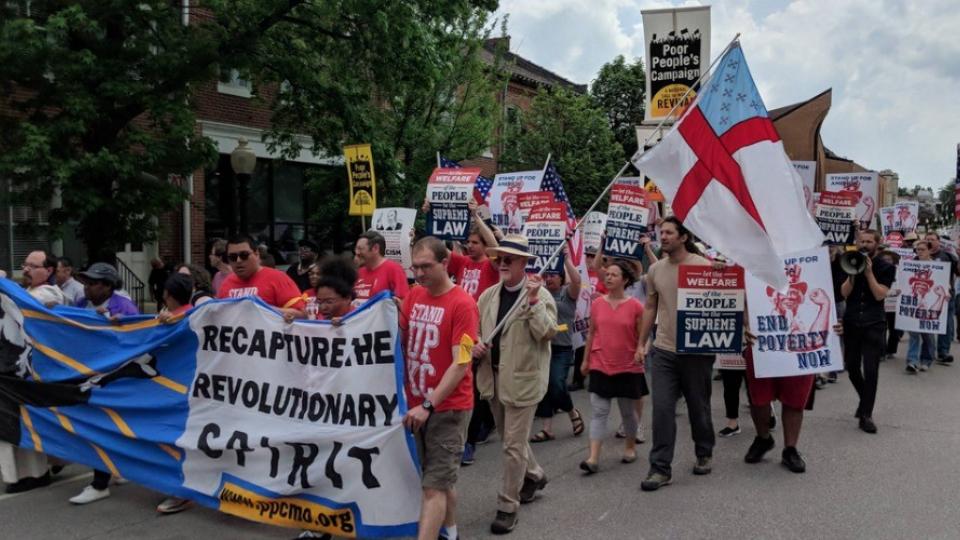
759	447
867	425
911	368
504	522
948	359
773	422
530	488
654	481
729	431
791	459
703	466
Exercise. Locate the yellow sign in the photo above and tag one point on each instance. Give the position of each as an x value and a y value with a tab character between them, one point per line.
292	512
363	182
653	192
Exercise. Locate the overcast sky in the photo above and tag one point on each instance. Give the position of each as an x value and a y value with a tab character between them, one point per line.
894	66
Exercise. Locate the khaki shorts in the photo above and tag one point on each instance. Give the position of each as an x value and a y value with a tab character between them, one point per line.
440	447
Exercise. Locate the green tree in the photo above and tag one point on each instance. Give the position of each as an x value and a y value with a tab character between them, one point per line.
619	89
96	94
575	130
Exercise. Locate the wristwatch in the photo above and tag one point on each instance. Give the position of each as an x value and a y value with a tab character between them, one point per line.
427	406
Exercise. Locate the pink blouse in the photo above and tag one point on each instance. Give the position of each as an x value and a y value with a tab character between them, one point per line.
615	338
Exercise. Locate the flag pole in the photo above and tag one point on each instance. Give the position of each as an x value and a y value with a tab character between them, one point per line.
438	158
493	333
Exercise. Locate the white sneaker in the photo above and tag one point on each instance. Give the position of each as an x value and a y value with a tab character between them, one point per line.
640	438
89	495
118	481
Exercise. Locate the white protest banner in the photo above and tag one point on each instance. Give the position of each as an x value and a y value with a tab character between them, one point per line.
865	186
546	229
628	217
887	216
290	424
710	310
907	216
924	296
504	208
527	202
808	175
794	328
892	299
677	45
448	192
395	225
906	254
593	228
835	215
731	361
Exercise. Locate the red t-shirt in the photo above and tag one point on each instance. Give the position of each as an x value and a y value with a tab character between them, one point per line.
615	338
431	326
472	276
388	276
271	285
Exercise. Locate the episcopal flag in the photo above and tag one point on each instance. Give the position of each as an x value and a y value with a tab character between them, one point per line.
727	177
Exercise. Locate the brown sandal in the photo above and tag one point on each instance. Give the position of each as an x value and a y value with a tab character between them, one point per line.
577	422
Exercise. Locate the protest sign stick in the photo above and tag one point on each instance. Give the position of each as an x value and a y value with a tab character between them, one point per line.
438	158
606	190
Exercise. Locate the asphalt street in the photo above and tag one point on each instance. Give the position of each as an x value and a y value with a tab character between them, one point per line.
899	483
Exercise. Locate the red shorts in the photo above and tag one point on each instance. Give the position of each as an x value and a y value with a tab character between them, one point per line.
792	392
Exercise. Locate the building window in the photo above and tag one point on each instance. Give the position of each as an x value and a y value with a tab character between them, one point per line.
232	84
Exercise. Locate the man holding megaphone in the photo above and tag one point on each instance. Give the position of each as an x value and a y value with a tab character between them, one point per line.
864	320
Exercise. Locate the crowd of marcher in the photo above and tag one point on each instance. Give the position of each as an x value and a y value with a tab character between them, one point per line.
502	350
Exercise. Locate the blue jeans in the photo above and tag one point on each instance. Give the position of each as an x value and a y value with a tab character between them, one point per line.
557	397
943	340
914	353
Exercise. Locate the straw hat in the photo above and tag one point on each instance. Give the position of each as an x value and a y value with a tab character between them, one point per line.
512	244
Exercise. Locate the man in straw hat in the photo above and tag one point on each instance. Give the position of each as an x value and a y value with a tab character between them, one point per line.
514	368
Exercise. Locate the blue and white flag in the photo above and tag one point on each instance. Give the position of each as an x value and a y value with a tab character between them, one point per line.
296	425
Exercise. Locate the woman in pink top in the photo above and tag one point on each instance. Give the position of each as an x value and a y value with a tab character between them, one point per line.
614	362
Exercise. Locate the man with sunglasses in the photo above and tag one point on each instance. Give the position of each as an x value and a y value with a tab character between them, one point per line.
250	278
514	369
300	273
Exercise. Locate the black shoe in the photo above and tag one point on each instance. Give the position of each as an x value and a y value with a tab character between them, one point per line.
504	522
791	459
28	483
574	386
530	488
703	466
911	368
654	481
948	359
729	431
589	468
867	425
759	447
773	422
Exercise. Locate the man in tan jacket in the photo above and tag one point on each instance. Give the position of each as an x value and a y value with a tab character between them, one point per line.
514	366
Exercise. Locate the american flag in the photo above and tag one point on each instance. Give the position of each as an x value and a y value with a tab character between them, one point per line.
480	190
551	182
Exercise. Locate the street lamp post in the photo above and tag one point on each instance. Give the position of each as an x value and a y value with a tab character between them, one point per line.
243	161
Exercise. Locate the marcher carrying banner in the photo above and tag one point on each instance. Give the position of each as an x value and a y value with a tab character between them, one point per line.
292	425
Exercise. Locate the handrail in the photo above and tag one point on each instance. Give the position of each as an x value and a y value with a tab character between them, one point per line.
133	285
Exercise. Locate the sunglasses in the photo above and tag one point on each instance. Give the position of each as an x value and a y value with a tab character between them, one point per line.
508	260
243	255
